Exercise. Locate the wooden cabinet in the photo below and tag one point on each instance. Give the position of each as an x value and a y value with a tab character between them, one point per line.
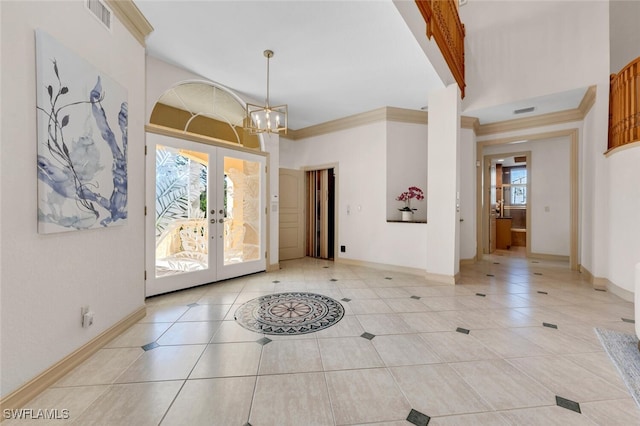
503	233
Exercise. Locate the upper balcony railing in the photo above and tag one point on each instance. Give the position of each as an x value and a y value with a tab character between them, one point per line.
443	23
624	108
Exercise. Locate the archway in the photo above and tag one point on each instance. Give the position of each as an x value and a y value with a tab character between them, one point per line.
205	109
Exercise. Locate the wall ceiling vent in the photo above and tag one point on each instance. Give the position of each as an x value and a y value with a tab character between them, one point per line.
100	11
524	110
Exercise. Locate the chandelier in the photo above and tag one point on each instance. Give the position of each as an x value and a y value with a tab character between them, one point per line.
267	118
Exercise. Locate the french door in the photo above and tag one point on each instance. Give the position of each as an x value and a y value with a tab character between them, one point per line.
209	221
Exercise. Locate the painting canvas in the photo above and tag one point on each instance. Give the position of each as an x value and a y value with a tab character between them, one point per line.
82	142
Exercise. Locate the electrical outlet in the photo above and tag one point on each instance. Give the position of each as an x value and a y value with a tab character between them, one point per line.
86	316
343	249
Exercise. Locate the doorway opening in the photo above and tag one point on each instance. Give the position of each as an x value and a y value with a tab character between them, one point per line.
508	202
511	188
320	222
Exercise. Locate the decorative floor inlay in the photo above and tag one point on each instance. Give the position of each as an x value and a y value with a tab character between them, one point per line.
547	324
264	341
289	313
462	330
417	418
568	404
367	336
150	346
628	320
481	294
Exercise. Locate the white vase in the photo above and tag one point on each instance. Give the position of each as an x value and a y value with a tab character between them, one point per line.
406	216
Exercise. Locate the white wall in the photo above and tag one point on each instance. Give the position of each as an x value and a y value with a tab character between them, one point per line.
467	194
624	202
595	186
406	166
518	50
443	187
624	34
549	179
47	278
361	155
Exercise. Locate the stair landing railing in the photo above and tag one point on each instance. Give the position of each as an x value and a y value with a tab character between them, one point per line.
443	23
624	106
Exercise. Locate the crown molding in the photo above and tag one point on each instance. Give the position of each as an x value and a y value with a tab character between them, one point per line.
400	115
337	125
551	118
422	117
529	122
587	101
469	123
128	13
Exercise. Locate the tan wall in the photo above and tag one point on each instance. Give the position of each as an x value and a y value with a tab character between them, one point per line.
168	116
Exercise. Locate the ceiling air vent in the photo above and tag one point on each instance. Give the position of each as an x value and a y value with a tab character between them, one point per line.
524	110
100	11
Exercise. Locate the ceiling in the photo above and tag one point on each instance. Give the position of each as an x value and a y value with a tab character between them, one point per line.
332	58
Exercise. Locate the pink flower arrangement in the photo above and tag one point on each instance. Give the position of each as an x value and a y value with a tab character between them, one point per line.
411	192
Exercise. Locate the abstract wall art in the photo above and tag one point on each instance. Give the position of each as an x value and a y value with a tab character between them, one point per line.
82	142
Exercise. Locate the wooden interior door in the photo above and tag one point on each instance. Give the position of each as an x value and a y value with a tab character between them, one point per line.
318	214
291	230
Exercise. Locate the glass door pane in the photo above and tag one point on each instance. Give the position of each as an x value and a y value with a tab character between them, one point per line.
181	229
243	242
180	196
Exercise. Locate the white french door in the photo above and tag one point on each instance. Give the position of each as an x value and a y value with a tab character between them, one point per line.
209	219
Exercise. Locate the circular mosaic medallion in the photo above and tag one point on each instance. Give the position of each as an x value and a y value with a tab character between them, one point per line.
289	313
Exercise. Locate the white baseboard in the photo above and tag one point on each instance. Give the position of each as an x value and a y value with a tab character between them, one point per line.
273	267
21	396
620	292
394	268
600	283
441	278
553	257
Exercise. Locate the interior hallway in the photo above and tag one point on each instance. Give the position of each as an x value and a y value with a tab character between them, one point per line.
189	363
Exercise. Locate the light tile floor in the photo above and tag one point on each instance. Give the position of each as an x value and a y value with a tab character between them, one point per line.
472	354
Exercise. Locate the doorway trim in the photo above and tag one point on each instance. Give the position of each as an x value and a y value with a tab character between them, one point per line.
572	134
336	208
487	206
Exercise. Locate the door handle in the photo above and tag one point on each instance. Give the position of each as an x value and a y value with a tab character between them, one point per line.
213	221
220	221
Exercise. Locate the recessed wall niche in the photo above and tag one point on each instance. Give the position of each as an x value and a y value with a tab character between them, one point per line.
406	166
